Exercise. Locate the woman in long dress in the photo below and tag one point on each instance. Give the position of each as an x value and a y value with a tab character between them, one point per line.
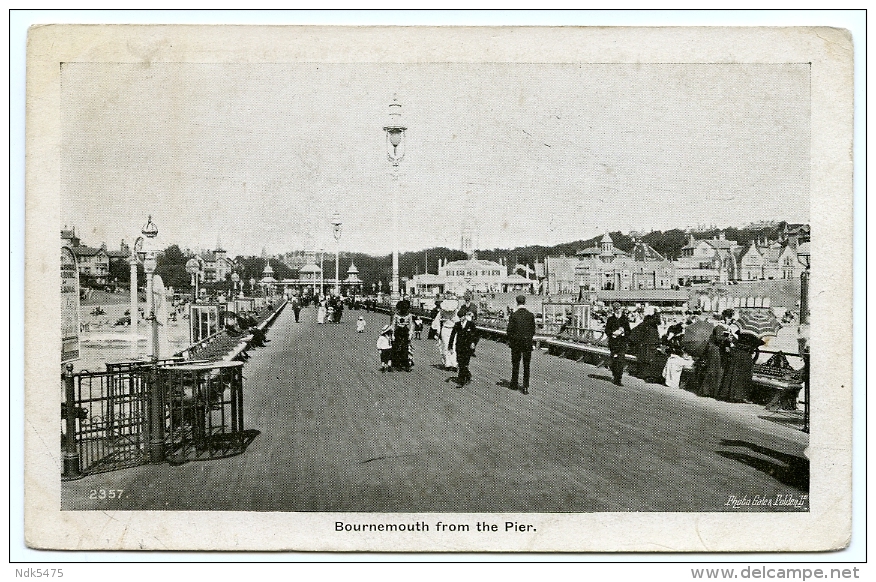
736	383
402	325
713	363
448	319
320	312
646	337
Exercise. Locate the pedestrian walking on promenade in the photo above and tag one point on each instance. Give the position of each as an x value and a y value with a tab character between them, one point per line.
384	348
296	307
403	326
418	328
521	330
339	309
467	306
463	340
617	330
435	327
321	312
447	318
360	324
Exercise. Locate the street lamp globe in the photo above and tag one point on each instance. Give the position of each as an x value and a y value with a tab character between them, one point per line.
336	224
803	254
395	132
149	248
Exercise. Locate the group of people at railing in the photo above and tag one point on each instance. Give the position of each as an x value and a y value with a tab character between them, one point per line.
711	359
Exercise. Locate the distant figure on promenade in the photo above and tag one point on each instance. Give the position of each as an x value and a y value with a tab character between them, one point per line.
520	331
339	309
418	327
617	330
463	340
467	306
296	307
384	348
321	312
435	326
360	324
402	330
447	318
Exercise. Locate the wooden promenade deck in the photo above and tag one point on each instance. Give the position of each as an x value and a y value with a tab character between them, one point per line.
337	435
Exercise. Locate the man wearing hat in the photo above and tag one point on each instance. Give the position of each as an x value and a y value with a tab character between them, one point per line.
467	307
521	329
617	330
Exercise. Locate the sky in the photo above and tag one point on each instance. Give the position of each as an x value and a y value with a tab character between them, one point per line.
259	156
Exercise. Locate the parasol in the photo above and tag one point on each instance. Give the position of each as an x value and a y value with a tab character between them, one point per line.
758	322
695	337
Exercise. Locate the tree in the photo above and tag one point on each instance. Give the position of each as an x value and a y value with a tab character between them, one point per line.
171	266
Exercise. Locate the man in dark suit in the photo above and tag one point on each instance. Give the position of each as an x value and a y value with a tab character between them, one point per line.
617	330
521	329
463	339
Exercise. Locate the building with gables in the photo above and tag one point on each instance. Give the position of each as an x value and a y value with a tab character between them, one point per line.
714	260
613	269
766	260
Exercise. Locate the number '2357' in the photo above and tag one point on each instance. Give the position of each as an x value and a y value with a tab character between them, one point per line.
105	493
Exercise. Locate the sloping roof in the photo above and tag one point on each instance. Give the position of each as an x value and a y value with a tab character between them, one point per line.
589	251
606	239
83	251
311	268
721	243
645	252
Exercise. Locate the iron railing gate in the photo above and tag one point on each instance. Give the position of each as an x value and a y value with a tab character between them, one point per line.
109	420
204	405
116	419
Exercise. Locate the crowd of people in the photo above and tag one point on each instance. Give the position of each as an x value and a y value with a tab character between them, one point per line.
711	359
668	350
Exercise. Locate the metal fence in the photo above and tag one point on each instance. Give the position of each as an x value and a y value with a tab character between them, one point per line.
104	416
136	413
204	410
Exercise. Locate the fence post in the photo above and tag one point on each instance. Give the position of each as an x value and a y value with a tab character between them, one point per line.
156	416
72	467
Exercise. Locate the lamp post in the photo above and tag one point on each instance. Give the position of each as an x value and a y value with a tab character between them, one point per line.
803	333
395	152
134	309
336	225
193	268
235	278
803	257
321	275
148	254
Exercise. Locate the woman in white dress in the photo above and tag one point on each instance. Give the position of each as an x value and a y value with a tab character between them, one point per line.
320	312
448	319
